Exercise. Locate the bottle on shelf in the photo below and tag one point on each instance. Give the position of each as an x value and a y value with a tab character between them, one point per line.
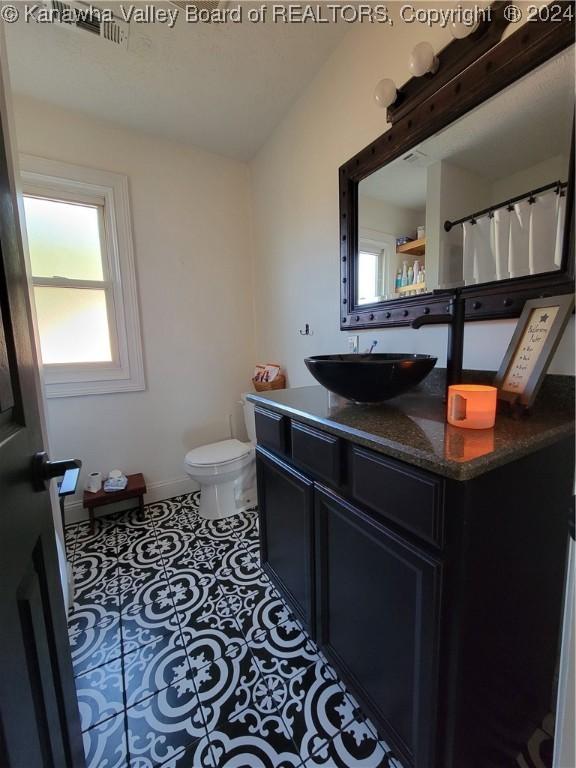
398	283
404	273
410	275
416	279
422	279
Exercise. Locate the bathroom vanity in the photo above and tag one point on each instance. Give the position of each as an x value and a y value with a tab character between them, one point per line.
427	561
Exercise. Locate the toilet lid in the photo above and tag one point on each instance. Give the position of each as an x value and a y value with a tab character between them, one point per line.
217	453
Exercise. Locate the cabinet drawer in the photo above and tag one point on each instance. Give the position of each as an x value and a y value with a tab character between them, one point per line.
317	452
271	430
411	498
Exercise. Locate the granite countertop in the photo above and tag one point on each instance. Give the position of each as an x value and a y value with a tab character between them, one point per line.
413	428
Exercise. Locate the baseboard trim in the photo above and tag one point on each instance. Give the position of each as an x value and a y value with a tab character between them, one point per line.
158	491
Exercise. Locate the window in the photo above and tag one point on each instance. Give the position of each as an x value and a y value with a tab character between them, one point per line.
80	245
375	279
73	299
370	276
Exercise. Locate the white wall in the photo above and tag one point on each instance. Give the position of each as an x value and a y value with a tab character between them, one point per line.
191	222
550	170
295	191
393	220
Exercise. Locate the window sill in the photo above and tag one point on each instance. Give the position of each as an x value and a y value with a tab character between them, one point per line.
71	381
92	388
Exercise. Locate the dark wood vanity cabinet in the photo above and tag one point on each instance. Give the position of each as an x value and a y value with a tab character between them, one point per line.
439	601
378	618
286	509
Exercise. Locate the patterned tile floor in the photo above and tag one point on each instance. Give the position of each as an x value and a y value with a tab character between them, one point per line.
185	654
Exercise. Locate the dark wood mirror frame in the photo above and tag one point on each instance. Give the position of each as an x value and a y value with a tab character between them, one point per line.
471	71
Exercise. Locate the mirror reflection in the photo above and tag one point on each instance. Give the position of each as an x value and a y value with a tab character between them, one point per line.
480	201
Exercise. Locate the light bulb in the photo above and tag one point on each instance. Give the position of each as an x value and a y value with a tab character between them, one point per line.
467	18
460	30
423	60
385	93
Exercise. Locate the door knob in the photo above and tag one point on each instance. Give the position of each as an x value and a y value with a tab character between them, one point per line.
43	470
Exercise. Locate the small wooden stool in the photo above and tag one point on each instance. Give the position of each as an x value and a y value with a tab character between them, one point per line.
136	488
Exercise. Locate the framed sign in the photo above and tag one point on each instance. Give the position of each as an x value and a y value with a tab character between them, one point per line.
528	356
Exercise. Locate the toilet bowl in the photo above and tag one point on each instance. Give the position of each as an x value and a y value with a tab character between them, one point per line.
226	472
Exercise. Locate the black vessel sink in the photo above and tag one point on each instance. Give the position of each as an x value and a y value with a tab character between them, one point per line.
370	378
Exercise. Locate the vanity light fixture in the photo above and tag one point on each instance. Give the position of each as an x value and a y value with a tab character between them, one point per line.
423	60
385	93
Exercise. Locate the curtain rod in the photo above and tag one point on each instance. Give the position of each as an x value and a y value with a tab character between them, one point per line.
558	185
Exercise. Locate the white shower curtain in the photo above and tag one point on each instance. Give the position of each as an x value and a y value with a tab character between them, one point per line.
501	242
560	222
484	261
479	265
519	240
468	253
526	240
543	232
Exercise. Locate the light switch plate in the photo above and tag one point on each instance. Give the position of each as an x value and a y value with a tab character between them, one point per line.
353	344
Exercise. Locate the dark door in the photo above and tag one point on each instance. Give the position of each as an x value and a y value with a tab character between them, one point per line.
378	599
39	721
286	509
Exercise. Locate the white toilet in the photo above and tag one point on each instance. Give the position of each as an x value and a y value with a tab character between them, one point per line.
226	472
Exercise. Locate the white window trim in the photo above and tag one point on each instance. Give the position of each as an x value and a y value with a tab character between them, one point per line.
60	180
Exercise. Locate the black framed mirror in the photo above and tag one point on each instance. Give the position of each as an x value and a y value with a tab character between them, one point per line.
472	188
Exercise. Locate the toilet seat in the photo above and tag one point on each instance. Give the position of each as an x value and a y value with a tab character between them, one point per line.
217	454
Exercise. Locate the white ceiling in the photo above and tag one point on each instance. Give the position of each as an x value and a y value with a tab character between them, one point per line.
526	123
222	87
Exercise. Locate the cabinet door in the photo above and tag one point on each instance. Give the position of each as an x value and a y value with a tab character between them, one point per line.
286	509
378	598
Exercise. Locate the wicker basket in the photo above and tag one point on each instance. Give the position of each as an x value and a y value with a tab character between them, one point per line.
265	386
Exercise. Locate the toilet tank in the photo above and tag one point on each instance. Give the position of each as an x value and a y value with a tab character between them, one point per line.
249	420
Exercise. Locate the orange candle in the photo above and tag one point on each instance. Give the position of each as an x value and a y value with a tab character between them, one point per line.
472	406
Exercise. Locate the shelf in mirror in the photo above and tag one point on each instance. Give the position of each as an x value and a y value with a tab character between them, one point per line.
413	248
411	290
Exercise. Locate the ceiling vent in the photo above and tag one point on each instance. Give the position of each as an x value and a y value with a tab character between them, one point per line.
416	158
84	17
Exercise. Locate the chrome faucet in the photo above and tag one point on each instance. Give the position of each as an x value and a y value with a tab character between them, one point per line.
454	318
